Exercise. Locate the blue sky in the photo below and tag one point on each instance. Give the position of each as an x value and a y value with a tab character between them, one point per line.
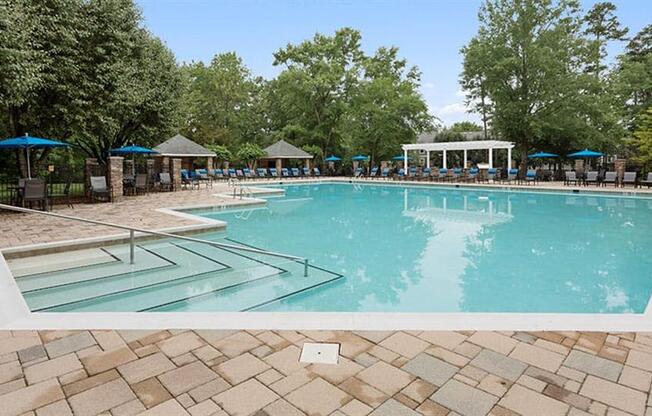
429	34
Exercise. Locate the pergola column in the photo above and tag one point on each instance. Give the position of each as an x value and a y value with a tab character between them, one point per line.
405	160
428	159
491	158
509	158
464	159
444	160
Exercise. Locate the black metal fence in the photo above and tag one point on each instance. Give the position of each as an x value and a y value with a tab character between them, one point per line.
64	186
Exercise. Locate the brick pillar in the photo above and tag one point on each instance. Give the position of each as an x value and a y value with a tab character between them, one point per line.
114	176
307	164
619	167
165	164
90	167
279	166
209	163
175	173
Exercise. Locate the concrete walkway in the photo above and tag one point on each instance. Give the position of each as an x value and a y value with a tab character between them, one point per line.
238	373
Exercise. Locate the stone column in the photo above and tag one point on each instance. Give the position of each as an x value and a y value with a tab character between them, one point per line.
175	174
114	176
209	163
619	167
307	164
579	165
90	167
279	166
165	164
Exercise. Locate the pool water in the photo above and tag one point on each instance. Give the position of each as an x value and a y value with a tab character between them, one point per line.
433	249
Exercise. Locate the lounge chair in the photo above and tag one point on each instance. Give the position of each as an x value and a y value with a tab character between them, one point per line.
374	172
492	175
358	172
531	176
273	172
218	173
232	173
648	181
306	171
295	172
591	177
400	174
443	175
99	190
261	173
247	173
512	175
35	191
239	174
165	181
384	174
610	177
425	174
457	175
285	173
203	176
472	175
570	178
629	178
316	172
188	180
141	184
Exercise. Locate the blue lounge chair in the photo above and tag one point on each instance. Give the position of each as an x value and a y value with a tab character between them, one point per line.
188	180
306	171
285	172
512	175
457	174
412	173
400	175
358	172
374	172
247	173
443	175
316	171
473	175
273	172
232	173
384	173
239	174
295	172
425	174
531	176
492	175
261	173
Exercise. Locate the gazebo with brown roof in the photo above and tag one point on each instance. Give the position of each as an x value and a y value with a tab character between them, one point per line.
282	150
180	147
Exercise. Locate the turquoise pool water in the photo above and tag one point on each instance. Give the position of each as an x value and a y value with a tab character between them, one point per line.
427	249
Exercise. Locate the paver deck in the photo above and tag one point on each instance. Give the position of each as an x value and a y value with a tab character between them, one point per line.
239	373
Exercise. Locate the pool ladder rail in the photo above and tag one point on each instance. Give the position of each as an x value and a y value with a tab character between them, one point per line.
134	230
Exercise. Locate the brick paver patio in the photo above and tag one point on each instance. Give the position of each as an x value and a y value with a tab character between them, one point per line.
411	373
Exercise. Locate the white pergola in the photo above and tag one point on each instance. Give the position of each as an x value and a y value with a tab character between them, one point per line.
488	145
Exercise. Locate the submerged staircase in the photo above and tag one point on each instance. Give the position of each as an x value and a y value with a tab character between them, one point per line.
166	275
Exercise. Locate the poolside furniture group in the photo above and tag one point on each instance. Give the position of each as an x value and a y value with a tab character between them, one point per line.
609	178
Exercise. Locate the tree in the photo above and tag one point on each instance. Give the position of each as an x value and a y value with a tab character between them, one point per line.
603	26
643	140
473	81
221	152
250	153
465	126
536	76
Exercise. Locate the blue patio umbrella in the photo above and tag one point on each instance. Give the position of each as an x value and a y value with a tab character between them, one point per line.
332	158
359	158
27	142
586	153
542	155
133	151
401	157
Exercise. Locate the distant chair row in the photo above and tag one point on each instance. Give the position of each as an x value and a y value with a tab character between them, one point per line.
593	177
246	173
439	175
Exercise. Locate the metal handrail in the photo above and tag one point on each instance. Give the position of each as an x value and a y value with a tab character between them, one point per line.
133	230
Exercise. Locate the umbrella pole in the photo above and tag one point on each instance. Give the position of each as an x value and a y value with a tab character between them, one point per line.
29	173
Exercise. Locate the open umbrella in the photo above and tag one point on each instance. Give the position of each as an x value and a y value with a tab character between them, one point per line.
585	154
400	157
542	155
133	151
359	158
332	158
26	142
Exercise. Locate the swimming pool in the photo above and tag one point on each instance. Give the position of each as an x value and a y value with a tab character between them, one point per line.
433	249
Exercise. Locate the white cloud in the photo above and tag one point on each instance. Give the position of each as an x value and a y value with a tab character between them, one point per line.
455	108
429	85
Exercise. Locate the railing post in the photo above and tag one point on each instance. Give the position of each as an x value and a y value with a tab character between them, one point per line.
305	268
131	246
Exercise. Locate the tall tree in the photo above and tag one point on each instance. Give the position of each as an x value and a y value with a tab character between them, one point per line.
602	26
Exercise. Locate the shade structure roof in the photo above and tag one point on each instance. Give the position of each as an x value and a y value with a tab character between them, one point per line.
284	150
180	146
465	145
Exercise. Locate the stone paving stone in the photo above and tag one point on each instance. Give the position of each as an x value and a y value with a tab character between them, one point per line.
406	345
108	340
205	408
467	349
592	364
185	400
236	344
269	376
494	341
386	378
13	344
206	353
419	390
106	360
184	359
180	344
30	398
203	392
101	398
448	356
638	379
537	357
382	353
146	367
33	353
282	408
356	408
393	408
572	374
620	397
499	364
241	368
464	399
292	382
494	385
533	383
12	386
168	408
73	343
246	398
59	408
318	397
374	336
10	372
131	408
551	346
151	392
286	360
184	379
363	392
530	403
473	372
639	359
567	396
431	369
89	382
271	339
447	339
430	408
336	373
52	368
350	344
546	376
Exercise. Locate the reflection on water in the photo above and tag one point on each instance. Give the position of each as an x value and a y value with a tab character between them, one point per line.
433	249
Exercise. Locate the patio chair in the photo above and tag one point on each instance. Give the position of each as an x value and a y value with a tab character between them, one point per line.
591	177
285	172
316	171
492	175
203	176
531	176
295	172
273	172
443	175
629	178
570	177
457	174
35	191
306	171
610	177
165	181
261	173
141	184
400	174
384	174
188	180
512	175
232	173
648	181
62	194
99	190
239	174
412	173
472	176
247	173
374	172
425	174
357	173
218	173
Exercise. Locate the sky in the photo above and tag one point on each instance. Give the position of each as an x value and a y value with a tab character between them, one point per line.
429	34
